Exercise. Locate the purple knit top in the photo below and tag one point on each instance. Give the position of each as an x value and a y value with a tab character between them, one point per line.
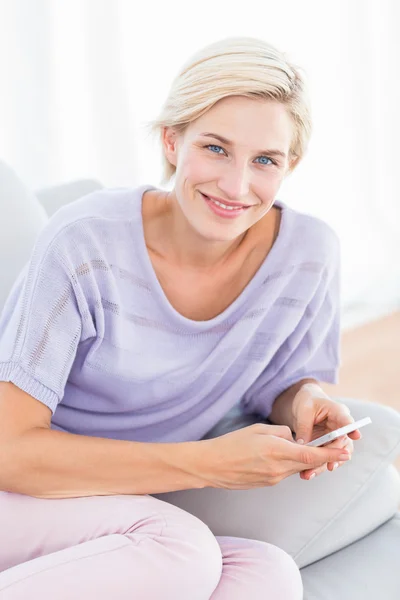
88	331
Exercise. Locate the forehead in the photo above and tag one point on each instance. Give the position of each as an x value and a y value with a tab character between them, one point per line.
247	121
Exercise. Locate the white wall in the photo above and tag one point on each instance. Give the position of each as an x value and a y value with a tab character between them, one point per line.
80	80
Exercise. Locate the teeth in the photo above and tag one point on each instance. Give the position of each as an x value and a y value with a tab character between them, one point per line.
225	206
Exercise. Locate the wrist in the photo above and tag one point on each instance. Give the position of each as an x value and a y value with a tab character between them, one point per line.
283	412
189	459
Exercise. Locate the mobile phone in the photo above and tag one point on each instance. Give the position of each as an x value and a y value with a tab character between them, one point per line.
333	435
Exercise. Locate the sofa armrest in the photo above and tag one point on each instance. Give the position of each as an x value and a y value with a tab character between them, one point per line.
310	519
367	490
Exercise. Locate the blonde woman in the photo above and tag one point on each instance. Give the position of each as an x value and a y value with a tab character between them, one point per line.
143	318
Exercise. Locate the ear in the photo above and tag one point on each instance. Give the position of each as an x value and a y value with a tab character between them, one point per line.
170	142
292	165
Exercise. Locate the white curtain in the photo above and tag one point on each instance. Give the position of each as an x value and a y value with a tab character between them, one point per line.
80	78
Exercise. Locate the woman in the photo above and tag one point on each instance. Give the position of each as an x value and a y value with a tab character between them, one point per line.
143	317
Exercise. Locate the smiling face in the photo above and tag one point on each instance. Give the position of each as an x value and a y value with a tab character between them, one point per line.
230	164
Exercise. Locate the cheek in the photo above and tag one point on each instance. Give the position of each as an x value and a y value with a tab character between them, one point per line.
197	169
266	188
271	180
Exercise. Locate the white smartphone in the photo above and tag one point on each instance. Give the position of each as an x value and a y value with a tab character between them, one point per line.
333	435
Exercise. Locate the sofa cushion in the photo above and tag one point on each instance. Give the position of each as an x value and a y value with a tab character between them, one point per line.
367	569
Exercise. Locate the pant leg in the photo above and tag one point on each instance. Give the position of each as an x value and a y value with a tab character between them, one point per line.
256	570
89	547
102	547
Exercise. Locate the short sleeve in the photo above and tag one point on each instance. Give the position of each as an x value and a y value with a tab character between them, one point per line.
312	350
41	325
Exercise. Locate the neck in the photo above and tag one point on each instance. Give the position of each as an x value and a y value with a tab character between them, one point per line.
179	243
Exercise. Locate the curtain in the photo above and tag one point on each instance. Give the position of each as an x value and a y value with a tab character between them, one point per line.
80	79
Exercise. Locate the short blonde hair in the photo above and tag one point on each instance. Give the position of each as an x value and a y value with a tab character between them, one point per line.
236	66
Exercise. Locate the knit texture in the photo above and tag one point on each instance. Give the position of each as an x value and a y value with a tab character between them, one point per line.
88	331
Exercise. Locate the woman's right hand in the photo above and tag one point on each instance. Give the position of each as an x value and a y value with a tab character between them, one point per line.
259	455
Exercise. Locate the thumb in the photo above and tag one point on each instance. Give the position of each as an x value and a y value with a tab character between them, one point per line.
305	422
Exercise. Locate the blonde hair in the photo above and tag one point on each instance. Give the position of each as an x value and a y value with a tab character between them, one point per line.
231	67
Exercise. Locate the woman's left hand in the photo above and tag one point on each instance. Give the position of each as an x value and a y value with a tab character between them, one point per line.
315	414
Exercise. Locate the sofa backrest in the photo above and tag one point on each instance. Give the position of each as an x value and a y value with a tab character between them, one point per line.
54	197
23	214
21	219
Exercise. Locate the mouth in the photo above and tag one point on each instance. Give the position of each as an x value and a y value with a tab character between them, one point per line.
229	210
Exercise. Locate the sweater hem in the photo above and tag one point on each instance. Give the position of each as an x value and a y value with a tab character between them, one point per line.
11	371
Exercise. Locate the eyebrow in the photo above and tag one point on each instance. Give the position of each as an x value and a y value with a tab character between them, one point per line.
229	143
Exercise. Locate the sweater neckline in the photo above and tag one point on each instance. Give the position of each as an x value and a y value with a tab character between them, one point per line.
256	280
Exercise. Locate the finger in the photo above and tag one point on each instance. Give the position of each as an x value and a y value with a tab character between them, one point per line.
307	475
342	442
281	431
349	448
312	473
355	435
316	457
340	415
309	457
344	417
345	410
336	465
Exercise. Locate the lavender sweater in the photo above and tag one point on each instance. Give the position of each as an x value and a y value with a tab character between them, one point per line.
88	331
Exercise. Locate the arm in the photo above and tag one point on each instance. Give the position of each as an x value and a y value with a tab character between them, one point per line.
310	354
40	462
45	317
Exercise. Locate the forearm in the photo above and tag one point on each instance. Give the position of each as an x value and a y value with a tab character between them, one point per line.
53	464
281	413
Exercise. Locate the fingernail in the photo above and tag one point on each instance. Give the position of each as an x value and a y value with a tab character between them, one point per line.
300	441
312	476
344	457
335	466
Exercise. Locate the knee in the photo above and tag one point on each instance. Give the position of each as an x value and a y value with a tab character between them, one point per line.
289	574
278	566
196	553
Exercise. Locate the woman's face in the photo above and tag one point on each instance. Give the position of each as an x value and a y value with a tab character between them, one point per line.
236	153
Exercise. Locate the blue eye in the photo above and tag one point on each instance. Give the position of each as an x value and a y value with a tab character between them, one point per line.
266	158
214	146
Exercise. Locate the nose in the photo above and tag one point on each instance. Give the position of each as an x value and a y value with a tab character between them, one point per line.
234	183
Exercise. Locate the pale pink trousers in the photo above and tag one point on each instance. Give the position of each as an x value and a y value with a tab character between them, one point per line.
131	548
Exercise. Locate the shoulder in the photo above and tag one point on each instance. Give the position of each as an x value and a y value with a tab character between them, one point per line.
87	230
91	214
312	238
107	204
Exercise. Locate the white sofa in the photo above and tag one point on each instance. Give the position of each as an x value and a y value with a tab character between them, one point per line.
359	534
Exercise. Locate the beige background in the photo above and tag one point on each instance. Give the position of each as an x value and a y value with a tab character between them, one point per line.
370	366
